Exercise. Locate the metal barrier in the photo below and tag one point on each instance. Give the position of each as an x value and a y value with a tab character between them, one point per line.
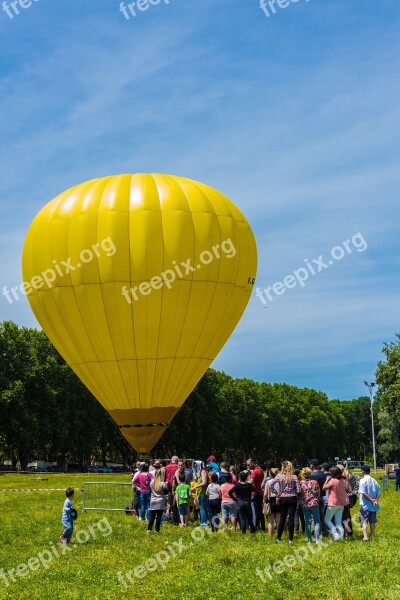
106	495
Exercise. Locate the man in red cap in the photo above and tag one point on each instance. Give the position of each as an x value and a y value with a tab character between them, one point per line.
212	464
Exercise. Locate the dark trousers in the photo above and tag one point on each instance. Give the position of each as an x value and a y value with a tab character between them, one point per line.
215	509
155	515
299	517
246	516
259	519
346	522
136	501
324	529
288	508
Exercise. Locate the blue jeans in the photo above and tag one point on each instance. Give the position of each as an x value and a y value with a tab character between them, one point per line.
204	510
312	512
337	512
397	484
69	528
144	504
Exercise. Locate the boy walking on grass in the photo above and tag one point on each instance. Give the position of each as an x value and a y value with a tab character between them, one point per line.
66	517
182	496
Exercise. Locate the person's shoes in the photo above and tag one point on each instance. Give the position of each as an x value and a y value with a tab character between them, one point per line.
336	537
290	541
63	539
278	541
149	531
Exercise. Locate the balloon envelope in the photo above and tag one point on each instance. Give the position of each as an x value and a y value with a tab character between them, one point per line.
138	281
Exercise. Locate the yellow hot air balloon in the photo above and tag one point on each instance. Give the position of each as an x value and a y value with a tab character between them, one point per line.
138	281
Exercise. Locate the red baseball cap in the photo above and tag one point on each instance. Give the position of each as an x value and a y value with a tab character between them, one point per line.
212	457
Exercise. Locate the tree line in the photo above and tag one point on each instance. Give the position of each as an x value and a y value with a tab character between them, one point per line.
46	413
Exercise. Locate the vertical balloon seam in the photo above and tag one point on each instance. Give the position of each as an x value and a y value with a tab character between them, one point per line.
168	353
190	369
131	364
52	290
116	183
99	362
130	216
202	190
134	361
161	299
234	274
172	396
119	181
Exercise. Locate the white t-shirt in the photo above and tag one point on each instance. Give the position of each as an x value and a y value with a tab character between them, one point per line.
369	486
213	491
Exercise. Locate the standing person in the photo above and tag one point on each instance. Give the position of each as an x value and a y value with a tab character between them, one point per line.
188	472
228	506
170	479
136	491
242	493
310	495
318	476
158	489
233	472
325	470
290	488
66	518
201	478
180	471
370	493
142	482
337	488
299	513
182	496
214	498
352	495
397	471
212	463
271	493
256	479
223	472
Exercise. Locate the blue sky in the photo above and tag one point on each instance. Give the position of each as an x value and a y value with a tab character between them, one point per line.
295	117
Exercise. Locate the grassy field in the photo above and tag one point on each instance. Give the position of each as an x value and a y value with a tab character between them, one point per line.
178	564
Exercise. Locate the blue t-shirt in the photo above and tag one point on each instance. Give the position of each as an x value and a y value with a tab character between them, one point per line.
66	516
213	465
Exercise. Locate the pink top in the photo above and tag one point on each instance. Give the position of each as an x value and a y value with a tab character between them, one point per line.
225	487
143	479
337	492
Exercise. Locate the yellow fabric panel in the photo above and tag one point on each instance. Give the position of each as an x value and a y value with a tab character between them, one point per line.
161	269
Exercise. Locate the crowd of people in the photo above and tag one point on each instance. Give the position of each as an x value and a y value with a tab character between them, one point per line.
316	498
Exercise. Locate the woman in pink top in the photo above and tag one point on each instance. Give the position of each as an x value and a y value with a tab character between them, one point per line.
337	487
228	506
141	481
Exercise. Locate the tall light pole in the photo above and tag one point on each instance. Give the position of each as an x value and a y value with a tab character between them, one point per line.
370	386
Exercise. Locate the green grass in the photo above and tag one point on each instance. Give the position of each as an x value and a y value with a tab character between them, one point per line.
219	566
